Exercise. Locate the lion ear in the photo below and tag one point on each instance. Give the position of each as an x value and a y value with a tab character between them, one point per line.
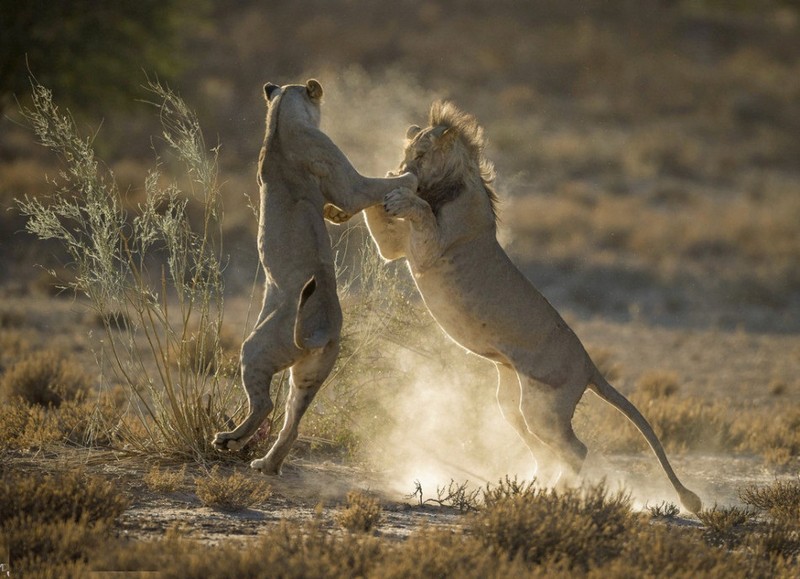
314	89
412	131
269	90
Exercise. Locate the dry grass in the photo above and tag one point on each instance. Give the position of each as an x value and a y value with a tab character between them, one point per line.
520	531
233	492
82	422
46	378
362	513
781	499
166	480
51	523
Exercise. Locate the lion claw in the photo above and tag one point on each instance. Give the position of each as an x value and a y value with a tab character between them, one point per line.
399	202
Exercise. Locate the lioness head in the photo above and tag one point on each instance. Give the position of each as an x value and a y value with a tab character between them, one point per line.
446	154
303	100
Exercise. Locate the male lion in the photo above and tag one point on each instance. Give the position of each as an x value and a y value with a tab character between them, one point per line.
300	172
447	232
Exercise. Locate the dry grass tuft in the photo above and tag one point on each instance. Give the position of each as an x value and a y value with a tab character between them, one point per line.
45	378
781	499
51	523
164	481
362	514
724	525
233	492
288	550
658	384
664	510
76	422
581	527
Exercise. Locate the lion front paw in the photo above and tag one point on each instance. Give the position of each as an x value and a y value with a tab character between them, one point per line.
401	203
227	441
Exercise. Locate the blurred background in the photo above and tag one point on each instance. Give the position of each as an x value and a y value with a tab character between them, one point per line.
648	151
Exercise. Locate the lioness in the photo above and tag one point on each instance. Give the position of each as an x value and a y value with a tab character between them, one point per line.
447	232
300	172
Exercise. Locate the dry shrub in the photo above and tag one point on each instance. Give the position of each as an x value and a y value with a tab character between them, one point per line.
664	510
657	384
579	527
164	481
45	378
51	522
362	514
776	435
445	553
77	422
287	550
778	540
207	352
661	551
724	525
781	499
232	492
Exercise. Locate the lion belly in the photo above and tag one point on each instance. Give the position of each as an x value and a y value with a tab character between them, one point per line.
486	305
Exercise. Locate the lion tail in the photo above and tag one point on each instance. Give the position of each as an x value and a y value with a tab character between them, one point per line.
607	392
310	332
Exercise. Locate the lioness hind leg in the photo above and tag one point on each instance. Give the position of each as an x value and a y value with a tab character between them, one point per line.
308	374
262	357
548	412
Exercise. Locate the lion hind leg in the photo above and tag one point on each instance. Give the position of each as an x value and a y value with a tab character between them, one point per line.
548	414
611	395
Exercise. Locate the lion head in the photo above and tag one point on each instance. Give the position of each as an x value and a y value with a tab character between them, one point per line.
447	154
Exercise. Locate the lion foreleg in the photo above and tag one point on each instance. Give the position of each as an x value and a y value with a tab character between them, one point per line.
508	399
424	242
390	235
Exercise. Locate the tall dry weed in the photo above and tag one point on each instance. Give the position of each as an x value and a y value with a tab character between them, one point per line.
155	270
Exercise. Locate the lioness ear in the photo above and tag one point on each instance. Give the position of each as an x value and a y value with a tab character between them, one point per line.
269	90
314	89
412	131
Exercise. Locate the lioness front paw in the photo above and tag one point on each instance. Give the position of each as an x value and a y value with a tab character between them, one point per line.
227	441
410	181
334	214
401	203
